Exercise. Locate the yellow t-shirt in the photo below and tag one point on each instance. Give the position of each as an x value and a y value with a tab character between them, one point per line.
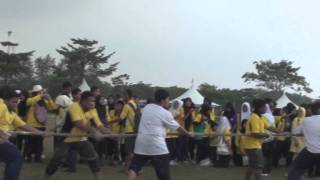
182	119
31	119
207	129
87	118
3	109
128	114
9	120
281	127
227	138
297	143
115	127
255	124
171	131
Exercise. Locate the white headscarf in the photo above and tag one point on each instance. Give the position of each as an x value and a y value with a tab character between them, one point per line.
176	111
245	115
269	116
223	124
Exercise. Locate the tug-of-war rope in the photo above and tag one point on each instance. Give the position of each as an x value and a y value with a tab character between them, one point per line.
47	134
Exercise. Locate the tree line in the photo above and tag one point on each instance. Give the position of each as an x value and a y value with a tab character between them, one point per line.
83	58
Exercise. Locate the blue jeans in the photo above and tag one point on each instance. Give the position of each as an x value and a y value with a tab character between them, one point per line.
302	163
11	156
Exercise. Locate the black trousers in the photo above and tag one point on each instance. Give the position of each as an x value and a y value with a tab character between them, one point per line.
122	153
84	148
35	146
100	147
113	149
172	147
237	158
160	163
282	149
192	147
22	144
267	151
182	148
213	154
302	163
202	149
223	161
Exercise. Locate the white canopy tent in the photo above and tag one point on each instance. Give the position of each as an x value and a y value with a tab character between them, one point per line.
84	86
283	101
196	97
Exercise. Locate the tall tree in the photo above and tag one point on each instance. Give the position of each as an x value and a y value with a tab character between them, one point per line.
83	58
48	74
44	67
15	66
277	76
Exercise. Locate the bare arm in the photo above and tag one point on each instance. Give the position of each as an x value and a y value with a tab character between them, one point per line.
183	131
104	130
273	129
31	129
85	128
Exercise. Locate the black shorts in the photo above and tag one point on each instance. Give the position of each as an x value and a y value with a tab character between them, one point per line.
84	148
255	158
129	145
305	160
160	163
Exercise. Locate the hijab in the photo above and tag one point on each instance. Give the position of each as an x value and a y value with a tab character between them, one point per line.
176	111
245	115
223	124
302	115
269	115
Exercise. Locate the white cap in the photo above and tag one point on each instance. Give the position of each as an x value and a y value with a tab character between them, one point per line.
37	88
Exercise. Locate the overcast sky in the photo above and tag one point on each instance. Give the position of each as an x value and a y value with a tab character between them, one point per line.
169	42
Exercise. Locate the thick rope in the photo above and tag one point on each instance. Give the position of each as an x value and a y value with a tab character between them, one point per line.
133	135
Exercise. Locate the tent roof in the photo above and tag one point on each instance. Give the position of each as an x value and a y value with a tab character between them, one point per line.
283	101
196	97
84	86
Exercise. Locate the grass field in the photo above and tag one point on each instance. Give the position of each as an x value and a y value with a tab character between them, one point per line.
35	172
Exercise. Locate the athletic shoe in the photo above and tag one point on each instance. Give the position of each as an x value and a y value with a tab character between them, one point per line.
173	163
205	163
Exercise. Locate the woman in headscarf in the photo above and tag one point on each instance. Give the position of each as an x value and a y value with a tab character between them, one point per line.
297	143
268	146
224	149
231	115
245	115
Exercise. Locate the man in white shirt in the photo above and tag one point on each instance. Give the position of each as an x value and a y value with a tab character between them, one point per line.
150	142
64	100
310	128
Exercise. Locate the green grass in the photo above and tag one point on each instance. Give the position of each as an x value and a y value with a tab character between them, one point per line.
35	172
32	171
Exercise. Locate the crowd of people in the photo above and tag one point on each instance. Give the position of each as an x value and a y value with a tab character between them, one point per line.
245	135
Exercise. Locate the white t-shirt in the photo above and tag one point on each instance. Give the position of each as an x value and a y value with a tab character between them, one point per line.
64	102
310	128
152	130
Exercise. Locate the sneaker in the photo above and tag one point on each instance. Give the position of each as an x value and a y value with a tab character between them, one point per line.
173	163
205	163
